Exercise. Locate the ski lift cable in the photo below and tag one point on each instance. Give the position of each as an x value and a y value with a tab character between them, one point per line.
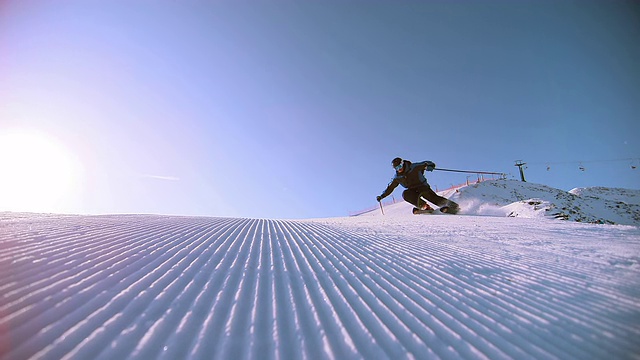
581	162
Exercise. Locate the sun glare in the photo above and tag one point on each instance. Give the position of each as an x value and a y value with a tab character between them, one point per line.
37	173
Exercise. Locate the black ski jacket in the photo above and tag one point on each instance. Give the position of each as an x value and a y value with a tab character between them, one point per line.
411	177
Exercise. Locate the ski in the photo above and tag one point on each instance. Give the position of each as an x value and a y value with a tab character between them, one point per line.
417	211
449	210
444	210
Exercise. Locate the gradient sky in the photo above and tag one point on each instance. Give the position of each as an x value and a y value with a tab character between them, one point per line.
284	109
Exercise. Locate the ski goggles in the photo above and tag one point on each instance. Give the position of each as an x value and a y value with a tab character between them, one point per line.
399	166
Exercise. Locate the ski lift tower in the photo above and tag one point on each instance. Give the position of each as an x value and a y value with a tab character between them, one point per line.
520	164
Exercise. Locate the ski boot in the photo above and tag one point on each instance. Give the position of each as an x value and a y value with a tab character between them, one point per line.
450	208
423	209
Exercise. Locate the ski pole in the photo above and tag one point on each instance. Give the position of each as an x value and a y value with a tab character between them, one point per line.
380	202
470	172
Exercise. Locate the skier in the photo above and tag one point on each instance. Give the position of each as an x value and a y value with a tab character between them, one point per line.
411	177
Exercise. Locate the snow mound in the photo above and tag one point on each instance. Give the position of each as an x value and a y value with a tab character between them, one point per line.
627	196
511	198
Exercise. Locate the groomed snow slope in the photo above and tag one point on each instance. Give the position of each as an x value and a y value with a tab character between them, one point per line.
428	287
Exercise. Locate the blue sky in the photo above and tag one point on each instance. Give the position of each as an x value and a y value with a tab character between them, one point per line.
295	109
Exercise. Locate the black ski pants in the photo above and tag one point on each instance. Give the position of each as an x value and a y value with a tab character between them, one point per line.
413	195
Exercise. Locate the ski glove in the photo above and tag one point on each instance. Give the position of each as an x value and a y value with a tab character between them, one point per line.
431	166
378	198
